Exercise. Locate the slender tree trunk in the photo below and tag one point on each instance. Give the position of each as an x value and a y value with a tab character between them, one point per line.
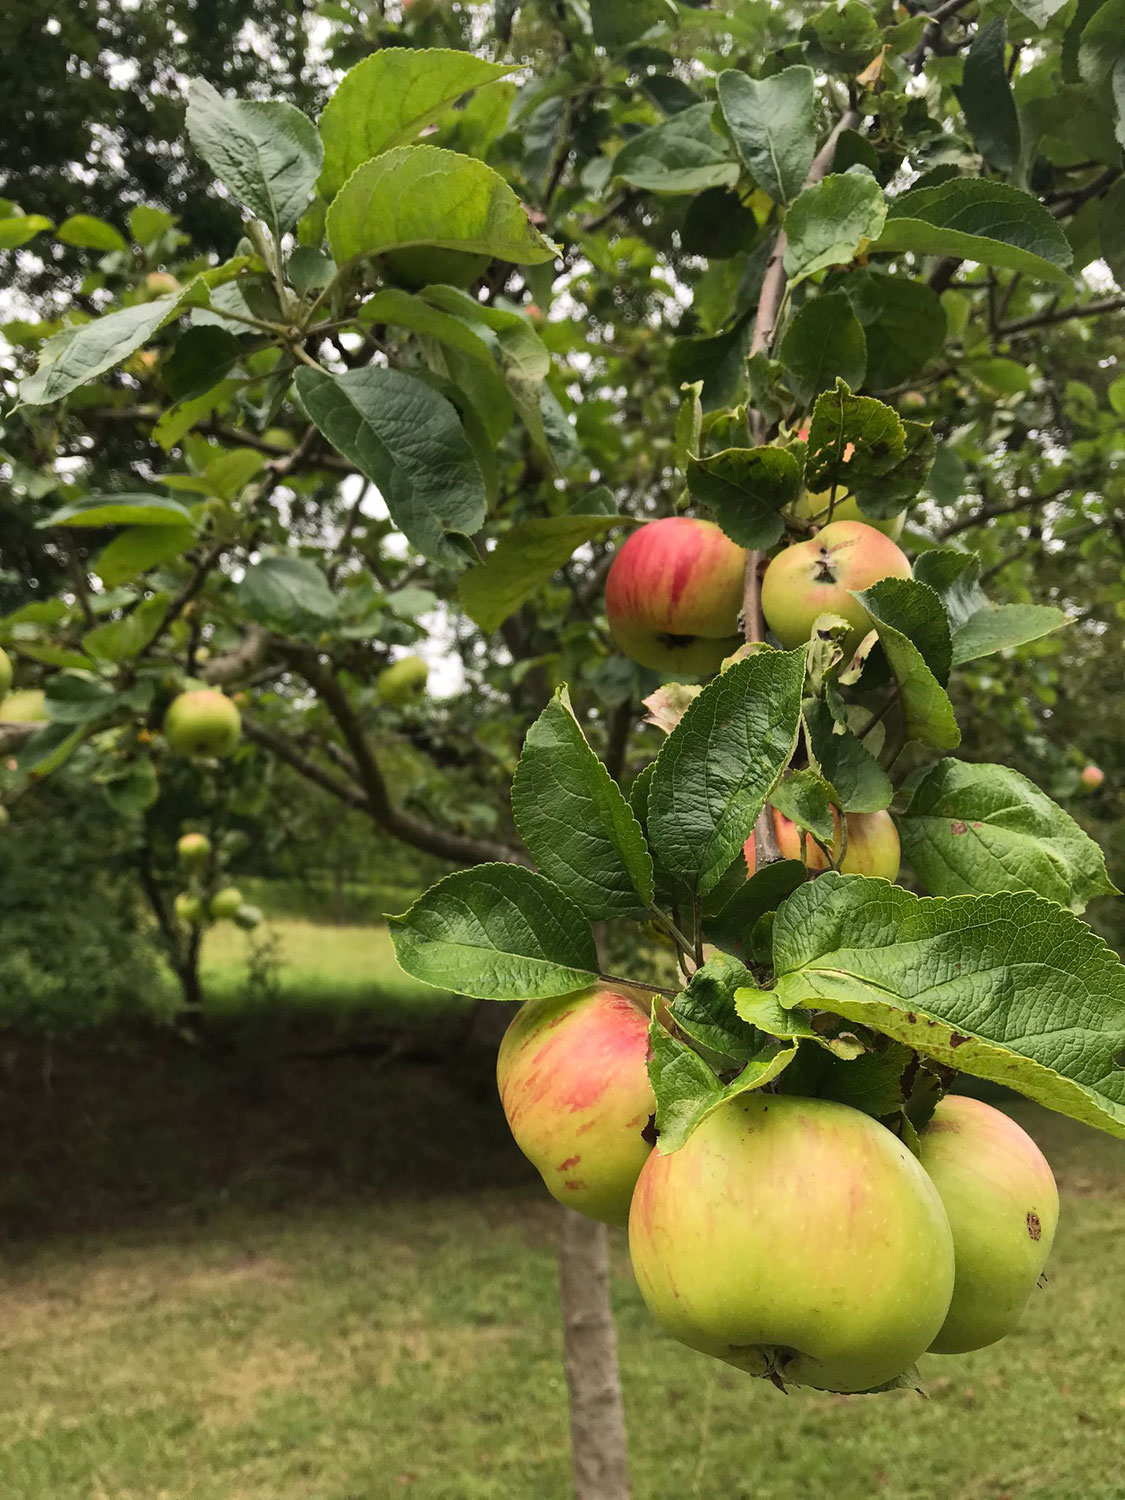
597	1412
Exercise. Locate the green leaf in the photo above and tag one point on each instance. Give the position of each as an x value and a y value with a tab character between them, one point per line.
268	154
832	222
716	768
120	510
805	798
575	820
1101	58
616	23
407	439
1039	11
822	343
981	219
998	627
853	440
1007	987
84	353
48	749
498	932
845	762
764	891
705	1009
201	358
423	195
17	229
117	640
746	489
903	321
134	790
843	38
89	233
926	708
999	377
683	155
78	698
289	593
146	224
406	310
139	548
773	123
522	561
689	423
388	98
986	97
971	829
915	609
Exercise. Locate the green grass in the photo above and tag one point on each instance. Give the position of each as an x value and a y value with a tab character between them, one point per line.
338	1284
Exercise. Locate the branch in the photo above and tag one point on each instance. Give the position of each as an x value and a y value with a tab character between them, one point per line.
246	658
285	750
1063	315
990	512
14	733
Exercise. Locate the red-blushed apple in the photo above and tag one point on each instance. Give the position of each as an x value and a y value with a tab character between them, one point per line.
202	722
873	845
573	1080
189	909
794	1238
5	672
1003	1207
193	849
673	596
225	904
1093	776
817	577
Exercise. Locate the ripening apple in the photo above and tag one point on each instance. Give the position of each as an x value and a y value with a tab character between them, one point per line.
160	284
202	722
673	596
404	680
189	909
573	1079
5	672
1003	1207
818	576
225	904
193	849
796	1238
1093	776
873	845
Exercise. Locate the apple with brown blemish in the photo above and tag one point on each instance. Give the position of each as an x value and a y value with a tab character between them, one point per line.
573	1080
873	845
820	577
796	1239
673	596
1003	1207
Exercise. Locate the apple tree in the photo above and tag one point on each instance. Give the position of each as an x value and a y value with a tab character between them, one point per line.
593	340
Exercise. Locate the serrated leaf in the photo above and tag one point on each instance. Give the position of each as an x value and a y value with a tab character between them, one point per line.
1101	59
406	310
387	99
575	820
268	154
986	97
971	829
407	439
683	155
926	708
705	1012
497	932
424	195
823	343
916	611
286	592
852	440
716	768
202	357
772	121
120	510
979	219
903	321
832	221
805	798
522	561
955	577
856	776
1007	987
999	627
746	489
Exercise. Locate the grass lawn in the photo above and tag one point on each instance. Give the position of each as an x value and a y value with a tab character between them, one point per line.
335	1283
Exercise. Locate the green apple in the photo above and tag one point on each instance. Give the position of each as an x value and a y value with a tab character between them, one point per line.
5	816
873	845
573	1080
193	849
5	672
160	284
1003	1208
225	904
673	596
819	576
28	706
403	681
248	917
815	508
202	722
797	1239
189	909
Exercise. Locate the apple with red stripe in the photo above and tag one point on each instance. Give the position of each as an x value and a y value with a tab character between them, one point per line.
873	845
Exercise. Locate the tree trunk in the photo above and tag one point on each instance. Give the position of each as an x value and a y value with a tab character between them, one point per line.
597	1412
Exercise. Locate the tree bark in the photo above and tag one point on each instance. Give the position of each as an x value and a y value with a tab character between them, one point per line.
597	1412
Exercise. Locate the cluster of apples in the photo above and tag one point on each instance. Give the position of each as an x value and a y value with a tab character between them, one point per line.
795	1238
674	591
193	907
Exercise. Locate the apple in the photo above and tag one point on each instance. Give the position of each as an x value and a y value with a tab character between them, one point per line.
818	576
189	909
193	849
248	917
794	1238
1093	776
225	904
873	846
160	284
202	722
5	672
28	706
1003	1207
573	1080
5	816
404	680
673	596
